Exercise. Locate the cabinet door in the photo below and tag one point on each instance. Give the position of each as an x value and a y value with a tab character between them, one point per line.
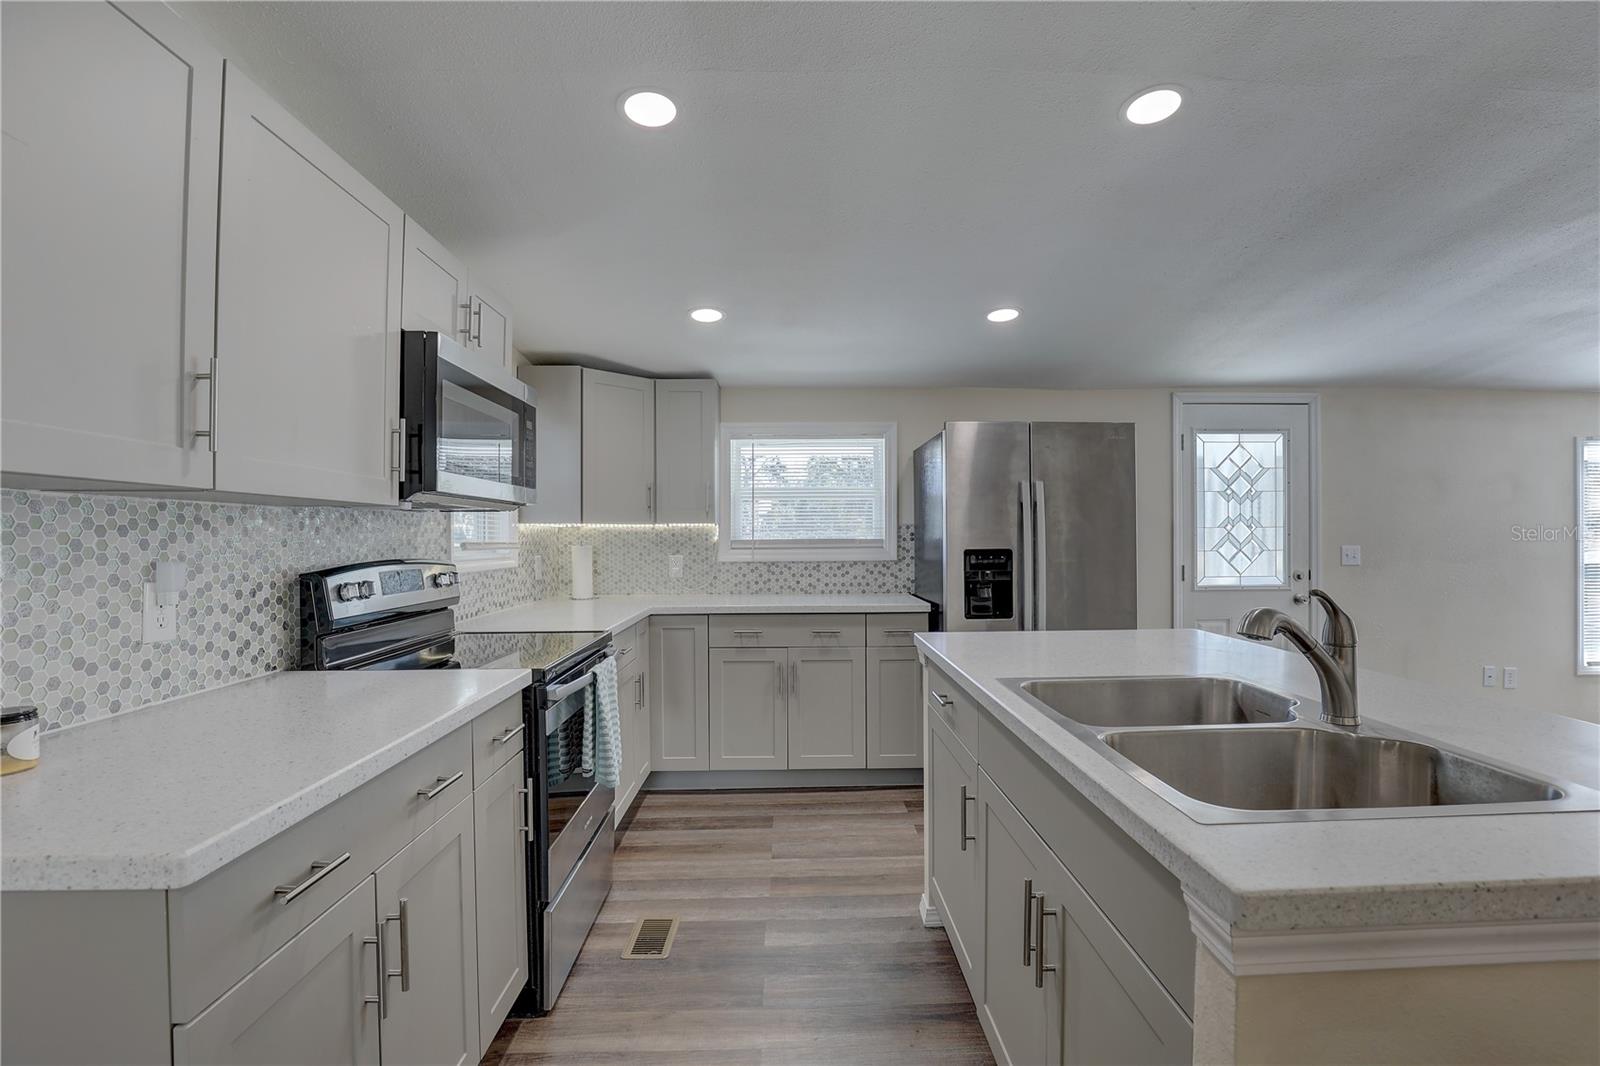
315	1000
749	709
428	925
954	847
308	314
1021	1015
112	123
680	722
686	450
630	708
640	759
489	326
894	708
433	286
500	851
827	708
619	442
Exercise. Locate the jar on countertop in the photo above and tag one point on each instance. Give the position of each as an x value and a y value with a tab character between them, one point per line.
19	739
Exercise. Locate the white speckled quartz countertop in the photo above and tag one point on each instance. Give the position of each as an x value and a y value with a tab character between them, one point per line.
608	613
156	798
1327	874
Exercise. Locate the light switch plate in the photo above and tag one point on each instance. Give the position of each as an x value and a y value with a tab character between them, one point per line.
1491	676
160	623
1349	555
1509	675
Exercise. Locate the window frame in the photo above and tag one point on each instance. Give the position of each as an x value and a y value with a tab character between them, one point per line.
501	556
1582	443
791	551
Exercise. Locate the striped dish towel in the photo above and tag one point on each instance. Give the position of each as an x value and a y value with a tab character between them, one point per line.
602	725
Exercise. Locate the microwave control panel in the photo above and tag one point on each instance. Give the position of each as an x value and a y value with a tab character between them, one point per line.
988	582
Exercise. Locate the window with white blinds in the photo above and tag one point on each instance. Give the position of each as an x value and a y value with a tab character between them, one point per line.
483	540
1589	556
812	491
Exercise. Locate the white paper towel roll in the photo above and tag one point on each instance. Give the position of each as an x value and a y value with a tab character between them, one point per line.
582	572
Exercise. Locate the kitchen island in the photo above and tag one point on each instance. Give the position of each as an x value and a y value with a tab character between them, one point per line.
1470	937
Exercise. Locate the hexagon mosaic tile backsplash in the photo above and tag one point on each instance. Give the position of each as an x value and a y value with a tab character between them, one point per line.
72	569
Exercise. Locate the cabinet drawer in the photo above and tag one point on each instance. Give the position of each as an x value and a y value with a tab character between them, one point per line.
222	926
788	631
1139	896
948	702
497	735
630	642
895	630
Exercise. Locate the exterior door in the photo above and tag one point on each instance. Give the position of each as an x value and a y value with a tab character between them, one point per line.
112	123
314	1000
1084	557
749	708
827	708
619	447
433	286
500	848
1244	512
308	314
427	920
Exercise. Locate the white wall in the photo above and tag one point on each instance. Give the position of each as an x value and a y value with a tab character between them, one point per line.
1428	482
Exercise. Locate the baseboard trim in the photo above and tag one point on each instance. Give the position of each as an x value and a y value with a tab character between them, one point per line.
715	780
1251	954
931	918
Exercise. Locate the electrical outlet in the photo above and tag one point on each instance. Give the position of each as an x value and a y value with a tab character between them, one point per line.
1509	676
675	567
1349	555
1491	676
538	568
160	623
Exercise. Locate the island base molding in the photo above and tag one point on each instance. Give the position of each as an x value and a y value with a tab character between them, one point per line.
929	912
1246	953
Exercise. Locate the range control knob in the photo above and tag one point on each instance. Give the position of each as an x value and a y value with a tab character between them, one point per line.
443	581
346	592
367	589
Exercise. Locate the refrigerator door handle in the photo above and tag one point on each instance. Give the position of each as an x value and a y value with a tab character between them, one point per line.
1041	565
1024	583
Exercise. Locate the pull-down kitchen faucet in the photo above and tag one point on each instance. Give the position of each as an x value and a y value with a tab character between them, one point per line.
1334	659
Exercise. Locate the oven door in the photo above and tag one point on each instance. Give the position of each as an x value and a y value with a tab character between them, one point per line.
574	804
469	426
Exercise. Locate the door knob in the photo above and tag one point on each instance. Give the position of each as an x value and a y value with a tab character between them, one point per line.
1300	597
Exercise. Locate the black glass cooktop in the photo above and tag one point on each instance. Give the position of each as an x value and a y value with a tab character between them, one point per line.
543	653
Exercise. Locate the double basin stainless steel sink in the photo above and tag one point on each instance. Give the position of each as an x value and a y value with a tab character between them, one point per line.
1226	751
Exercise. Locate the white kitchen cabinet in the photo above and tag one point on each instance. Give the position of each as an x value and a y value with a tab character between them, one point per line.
954	847
749	711
686	450
313	1000
678	693
558	442
427	922
489	325
434	293
500	854
894	708
308	314
633	696
112	124
827	708
619	445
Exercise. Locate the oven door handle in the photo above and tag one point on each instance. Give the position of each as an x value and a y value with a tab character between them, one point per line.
556	693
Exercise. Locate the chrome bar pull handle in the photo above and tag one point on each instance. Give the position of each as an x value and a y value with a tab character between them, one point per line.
941	699
376	942
440	784
209	434
1027	922
402	459
1039	966
477	322
966	836
289	893
526	792
505	738
405	944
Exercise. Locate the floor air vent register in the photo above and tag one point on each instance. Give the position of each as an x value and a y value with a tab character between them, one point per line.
652	938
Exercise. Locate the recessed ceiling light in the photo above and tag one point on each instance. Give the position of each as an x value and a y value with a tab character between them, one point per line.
1152	105
649	109
1003	314
706	315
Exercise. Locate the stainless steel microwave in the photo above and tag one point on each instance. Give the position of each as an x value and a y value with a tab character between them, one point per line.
468	428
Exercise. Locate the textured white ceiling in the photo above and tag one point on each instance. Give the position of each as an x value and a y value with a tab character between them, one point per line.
1380	193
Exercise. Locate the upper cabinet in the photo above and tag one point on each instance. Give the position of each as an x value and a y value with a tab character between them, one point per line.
622	448
111	120
686	450
308	314
489	326
619	447
433	290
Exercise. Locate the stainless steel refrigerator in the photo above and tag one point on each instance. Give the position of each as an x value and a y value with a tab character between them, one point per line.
1027	525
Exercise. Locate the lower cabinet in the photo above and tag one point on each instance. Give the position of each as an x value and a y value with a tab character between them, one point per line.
315	1000
678	698
428	938
828	708
894	708
749	713
634	710
500	845
950	787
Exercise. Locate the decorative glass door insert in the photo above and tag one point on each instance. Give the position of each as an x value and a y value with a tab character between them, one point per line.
1240	508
